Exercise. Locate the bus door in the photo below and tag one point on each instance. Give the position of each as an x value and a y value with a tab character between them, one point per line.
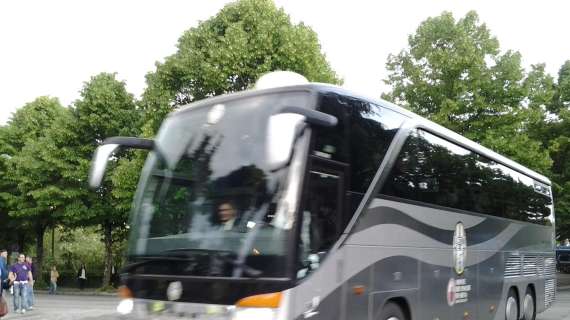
323	221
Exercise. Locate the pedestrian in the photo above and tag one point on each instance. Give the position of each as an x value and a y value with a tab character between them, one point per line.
31	297
82	276
53	280
20	275
114	276
3	270
3	282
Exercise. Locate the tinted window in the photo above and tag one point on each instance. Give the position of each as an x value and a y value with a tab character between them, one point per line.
332	143
372	129
432	170
361	138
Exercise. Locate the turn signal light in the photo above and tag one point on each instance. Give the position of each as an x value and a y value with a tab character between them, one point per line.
358	290
268	300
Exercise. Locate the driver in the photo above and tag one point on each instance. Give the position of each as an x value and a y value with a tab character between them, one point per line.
227	215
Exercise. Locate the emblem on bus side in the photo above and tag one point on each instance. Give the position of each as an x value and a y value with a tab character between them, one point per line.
174	291
459	248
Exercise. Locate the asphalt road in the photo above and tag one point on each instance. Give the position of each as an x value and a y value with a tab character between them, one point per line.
71	307
67	307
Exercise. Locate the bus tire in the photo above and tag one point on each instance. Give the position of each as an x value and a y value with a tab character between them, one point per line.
392	311
512	306
529	305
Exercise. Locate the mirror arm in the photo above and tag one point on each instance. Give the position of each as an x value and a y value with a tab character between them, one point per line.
104	151
131	142
312	116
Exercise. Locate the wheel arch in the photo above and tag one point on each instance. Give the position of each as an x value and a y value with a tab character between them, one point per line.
403	303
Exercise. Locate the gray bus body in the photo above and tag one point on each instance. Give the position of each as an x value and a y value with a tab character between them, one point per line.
395	233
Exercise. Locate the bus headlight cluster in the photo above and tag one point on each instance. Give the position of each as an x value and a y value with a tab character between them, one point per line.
254	314
126	306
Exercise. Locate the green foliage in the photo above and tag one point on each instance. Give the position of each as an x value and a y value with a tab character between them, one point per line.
453	73
33	194
30	122
229	52
559	149
562	101
105	109
81	245
74	246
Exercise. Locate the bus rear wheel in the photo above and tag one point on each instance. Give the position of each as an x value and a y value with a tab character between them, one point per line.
529	311
512	306
392	311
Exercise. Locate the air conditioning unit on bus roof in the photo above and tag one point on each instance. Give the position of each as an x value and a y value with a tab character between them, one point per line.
280	79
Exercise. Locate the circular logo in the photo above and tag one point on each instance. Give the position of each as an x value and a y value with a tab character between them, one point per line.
174	291
459	248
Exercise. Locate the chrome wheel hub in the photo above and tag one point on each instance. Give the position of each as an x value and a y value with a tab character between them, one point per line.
511	310
528	307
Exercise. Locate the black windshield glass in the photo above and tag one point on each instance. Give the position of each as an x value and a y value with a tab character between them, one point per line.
211	197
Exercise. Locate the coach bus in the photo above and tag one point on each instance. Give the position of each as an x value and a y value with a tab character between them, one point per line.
307	201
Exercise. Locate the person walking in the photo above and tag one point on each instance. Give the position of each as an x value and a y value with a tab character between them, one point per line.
53	280
3	270
3	281
31	297
20	275
82	276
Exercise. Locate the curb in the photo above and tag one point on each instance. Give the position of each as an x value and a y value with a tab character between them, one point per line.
64	292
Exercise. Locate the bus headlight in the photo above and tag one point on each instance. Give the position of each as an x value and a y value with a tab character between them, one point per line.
255	314
125	306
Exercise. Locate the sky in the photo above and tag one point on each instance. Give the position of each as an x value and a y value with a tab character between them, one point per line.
53	47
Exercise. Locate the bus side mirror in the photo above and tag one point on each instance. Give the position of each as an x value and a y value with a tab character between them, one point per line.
104	151
99	164
282	130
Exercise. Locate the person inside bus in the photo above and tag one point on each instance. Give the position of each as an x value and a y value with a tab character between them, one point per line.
227	216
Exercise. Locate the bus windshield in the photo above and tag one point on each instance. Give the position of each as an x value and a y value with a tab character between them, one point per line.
211	200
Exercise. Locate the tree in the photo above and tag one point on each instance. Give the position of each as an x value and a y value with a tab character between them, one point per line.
562	99
454	74
8	227
30	183
559	131
541	91
229	52
104	109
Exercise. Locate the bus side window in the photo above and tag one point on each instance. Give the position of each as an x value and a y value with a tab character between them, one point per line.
433	170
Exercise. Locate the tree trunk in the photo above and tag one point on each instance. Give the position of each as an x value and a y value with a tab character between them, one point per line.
53	244
21	241
107	237
40	230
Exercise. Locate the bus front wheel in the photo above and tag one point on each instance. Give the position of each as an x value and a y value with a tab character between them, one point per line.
392	311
